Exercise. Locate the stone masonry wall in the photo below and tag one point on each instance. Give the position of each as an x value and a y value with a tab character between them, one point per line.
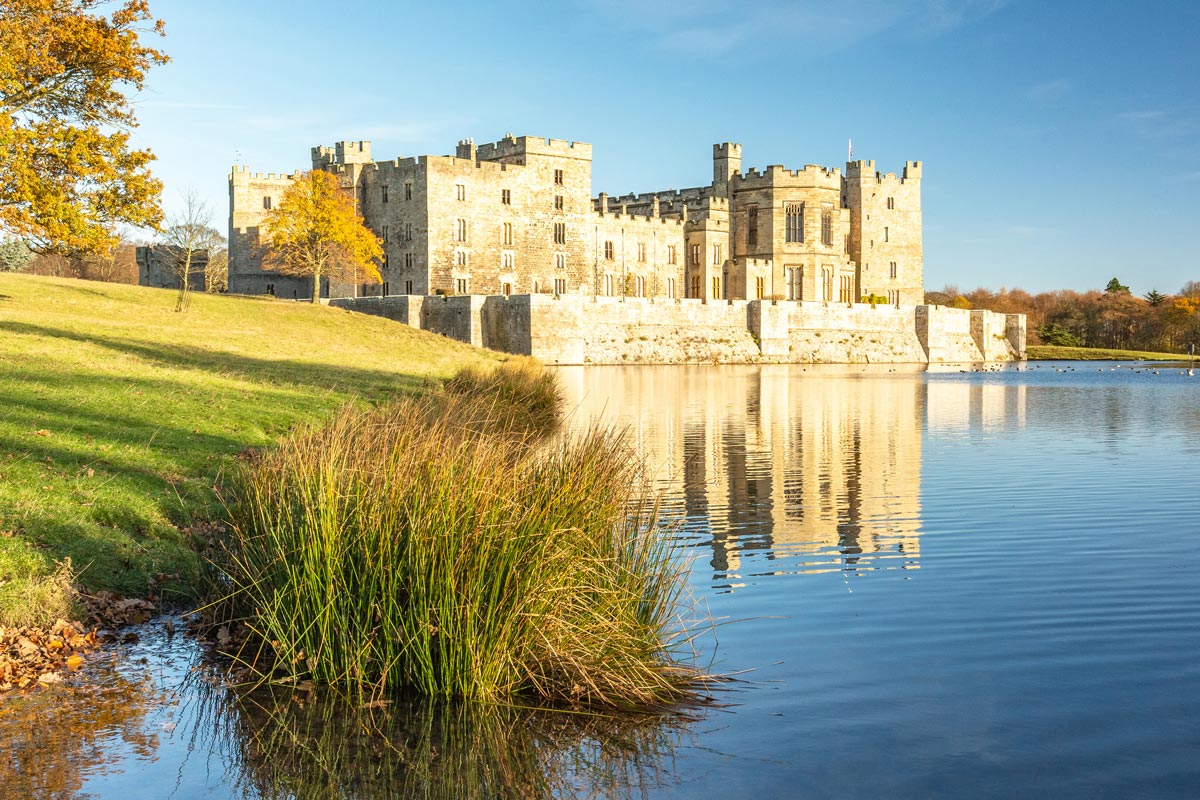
612	330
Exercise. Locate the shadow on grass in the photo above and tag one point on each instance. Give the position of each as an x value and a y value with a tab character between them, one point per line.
103	467
369	384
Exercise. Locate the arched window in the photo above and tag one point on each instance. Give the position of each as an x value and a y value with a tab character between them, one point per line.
608	251
794	222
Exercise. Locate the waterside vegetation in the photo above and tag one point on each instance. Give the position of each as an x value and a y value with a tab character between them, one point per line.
1057	353
451	545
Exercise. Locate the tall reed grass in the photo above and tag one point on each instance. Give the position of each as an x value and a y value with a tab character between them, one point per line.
448	544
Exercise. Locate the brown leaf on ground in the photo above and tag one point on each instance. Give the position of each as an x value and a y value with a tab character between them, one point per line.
32	657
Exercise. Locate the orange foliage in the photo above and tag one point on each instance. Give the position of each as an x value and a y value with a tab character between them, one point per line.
67	173
316	231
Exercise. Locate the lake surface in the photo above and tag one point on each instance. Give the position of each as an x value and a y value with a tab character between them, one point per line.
929	584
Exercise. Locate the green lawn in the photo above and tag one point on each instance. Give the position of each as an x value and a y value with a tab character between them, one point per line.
118	416
1053	353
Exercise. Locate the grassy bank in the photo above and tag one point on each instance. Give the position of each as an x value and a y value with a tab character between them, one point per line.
118	416
448	544
1054	353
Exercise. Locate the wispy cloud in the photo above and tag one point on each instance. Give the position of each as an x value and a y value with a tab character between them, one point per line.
1030	231
716	27
1143	116
188	105
1049	92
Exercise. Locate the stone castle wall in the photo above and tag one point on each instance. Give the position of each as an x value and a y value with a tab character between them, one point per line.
609	330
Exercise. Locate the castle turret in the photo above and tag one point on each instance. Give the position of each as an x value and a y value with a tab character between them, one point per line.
727	162
466	149
341	153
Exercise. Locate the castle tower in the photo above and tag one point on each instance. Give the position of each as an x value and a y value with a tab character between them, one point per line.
885	231
727	162
341	153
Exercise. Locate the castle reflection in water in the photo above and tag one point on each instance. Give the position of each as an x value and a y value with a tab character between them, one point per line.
790	468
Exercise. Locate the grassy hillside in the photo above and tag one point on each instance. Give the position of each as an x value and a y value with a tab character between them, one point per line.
1055	353
117	416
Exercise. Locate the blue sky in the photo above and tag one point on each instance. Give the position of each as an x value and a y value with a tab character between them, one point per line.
1060	140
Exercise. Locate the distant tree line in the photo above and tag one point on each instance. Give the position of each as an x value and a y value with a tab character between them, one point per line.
1113	318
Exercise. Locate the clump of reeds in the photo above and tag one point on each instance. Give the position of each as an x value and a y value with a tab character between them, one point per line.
444	544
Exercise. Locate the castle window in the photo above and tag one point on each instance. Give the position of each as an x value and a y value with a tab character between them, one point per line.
506	196
385	233
560	261
716	255
752	226
271	289
507	289
886	234
642	252
894	296
826	283
670	254
408	262
558	202
827	228
716	288
695	290
892	269
671	288
696	255
506	260
608	285
846	289
385	288
408	191
267	203
408	287
793	222
558	177
461	230
460	258
408	232
560	233
508	233
386	262
560	286
460	191
891	202
795	283
460	285
760	287
608	251
383	193
639	286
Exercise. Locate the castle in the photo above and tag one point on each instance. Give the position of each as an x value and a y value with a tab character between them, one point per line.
517	217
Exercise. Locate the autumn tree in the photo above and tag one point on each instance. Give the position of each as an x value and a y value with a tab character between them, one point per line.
315	231
68	175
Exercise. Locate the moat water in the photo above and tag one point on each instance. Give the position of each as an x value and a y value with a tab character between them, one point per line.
929	584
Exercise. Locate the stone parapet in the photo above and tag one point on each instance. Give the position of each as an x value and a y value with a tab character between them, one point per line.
615	330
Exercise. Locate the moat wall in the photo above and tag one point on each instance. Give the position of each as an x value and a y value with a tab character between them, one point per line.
613	330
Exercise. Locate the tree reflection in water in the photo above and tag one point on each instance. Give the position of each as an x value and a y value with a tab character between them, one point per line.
54	739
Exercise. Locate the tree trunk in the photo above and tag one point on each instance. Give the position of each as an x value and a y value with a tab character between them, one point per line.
316	298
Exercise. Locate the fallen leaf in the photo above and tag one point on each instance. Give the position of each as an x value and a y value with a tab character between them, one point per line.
49	677
75	661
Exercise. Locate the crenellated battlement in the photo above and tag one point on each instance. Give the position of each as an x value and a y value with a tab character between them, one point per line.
511	146
242	175
345	152
865	171
812	175
630	217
